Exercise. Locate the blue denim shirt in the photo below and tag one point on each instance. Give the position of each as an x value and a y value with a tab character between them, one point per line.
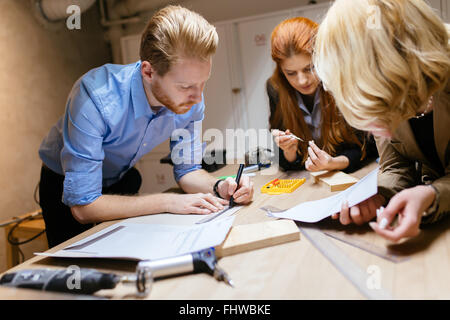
108	126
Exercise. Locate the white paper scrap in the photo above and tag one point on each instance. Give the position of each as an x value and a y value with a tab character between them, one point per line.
314	211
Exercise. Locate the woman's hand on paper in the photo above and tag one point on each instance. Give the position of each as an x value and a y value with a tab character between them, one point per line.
360	213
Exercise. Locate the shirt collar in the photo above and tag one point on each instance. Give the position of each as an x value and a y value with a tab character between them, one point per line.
140	103
302	104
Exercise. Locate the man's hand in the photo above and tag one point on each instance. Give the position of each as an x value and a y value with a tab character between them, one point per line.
198	203
409	206
241	195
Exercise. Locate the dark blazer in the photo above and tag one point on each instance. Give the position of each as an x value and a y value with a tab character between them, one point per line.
351	151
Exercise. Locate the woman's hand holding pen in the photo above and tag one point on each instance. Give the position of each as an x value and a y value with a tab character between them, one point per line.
242	194
286	142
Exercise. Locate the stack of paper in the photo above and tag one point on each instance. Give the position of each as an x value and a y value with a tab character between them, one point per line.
147	241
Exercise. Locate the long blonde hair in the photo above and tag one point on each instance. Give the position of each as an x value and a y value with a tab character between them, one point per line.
382	59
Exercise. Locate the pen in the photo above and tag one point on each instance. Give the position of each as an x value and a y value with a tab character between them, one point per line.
238	178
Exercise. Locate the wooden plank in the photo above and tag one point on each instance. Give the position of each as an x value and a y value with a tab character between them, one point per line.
336	180
254	236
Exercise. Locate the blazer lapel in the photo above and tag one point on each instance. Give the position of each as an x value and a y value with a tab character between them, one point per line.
441	122
411	149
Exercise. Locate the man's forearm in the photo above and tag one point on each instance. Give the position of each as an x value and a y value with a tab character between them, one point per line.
111	207
197	181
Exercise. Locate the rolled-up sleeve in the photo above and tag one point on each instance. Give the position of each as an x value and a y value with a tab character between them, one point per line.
82	155
186	145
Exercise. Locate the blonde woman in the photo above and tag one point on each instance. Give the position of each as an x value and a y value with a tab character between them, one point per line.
387	62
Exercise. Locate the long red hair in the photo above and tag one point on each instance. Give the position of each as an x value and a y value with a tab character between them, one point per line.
295	36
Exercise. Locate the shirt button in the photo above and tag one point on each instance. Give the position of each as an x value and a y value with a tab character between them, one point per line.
145	144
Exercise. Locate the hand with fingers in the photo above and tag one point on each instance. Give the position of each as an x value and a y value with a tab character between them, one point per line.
286	142
408	206
198	203
241	195
360	213
318	159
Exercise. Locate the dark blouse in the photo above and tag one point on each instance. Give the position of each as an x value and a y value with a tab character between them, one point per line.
423	131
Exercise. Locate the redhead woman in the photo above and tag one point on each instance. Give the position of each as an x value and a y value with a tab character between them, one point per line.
300	106
387	64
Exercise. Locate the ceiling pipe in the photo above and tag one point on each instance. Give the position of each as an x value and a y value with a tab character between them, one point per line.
121	13
114	33
109	22
127	8
55	10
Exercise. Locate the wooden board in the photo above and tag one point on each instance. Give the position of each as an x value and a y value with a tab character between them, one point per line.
254	236
337	180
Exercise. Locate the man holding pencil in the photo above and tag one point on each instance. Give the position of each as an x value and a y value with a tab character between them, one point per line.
115	114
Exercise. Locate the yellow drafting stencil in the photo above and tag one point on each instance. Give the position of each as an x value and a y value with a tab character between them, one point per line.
279	186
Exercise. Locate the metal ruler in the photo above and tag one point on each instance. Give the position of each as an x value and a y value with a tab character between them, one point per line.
381	252
345	265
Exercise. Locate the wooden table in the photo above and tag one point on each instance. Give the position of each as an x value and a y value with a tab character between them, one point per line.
294	270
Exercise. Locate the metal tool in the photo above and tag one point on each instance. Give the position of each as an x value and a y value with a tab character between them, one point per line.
256	167
70	280
382	252
295	137
88	281
213	216
197	262
291	135
338	259
342	262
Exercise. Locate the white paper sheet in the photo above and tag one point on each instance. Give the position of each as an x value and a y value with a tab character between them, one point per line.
180	219
147	241
314	211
